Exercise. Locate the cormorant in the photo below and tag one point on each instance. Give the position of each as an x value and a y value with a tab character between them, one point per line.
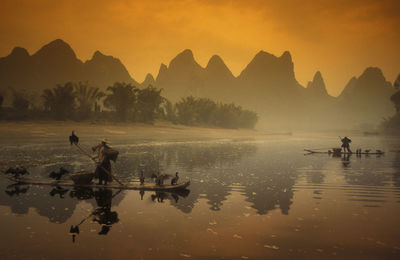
174	180
73	139
141	178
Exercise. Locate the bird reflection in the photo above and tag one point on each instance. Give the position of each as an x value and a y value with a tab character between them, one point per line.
160	196
58	191
15	190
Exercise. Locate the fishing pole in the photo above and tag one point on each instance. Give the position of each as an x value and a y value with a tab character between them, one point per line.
75	142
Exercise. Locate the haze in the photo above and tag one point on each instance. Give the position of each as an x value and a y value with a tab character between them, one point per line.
339	38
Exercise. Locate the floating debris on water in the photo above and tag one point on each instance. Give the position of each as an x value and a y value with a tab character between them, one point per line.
272	247
212	231
212	222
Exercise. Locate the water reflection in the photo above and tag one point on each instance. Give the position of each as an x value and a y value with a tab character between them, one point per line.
214	169
15	190
233	186
346	160
102	214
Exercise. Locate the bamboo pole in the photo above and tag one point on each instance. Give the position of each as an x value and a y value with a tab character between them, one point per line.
109	173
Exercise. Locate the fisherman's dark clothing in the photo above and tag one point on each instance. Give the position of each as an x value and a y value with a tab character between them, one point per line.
104	165
346	144
102	174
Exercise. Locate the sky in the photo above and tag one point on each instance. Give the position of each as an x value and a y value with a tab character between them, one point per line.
339	38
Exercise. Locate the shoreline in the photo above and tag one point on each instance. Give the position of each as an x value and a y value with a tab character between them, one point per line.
38	131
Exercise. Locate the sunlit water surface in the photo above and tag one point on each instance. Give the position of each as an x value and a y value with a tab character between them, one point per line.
248	199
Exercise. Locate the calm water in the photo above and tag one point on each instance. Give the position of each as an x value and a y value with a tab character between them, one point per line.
247	200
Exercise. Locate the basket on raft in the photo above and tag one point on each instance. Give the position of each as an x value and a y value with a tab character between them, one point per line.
83	177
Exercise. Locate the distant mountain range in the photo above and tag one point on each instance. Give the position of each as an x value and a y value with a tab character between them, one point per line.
267	85
56	63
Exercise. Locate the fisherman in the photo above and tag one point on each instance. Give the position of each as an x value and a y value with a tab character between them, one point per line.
104	154
346	144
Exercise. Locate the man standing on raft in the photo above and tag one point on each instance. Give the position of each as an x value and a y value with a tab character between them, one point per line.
346	144
105	154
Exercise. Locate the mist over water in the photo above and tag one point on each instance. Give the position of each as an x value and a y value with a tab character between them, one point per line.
247	199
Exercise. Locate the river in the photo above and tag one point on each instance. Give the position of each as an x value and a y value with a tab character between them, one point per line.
248	199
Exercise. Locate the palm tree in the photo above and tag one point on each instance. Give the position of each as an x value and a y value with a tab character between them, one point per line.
396	97
60	100
148	103
20	101
1	100
122	98
87	98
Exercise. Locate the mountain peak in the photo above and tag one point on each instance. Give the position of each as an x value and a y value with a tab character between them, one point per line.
55	49
372	72
267	69
97	55
371	78
286	56
163	68
162	72
149	80
217	66
183	59
263	55
19	52
318	84
371	83
186	52
183	63
318	76
215	60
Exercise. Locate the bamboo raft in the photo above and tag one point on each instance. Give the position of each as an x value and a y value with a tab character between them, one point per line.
343	153
127	186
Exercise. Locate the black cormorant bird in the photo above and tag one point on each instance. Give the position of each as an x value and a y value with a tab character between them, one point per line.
174	180
141	178
17	171
73	139
59	174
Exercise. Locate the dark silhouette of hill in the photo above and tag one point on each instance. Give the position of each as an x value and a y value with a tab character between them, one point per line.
149	80
105	70
367	98
56	63
218	80
317	86
266	85
183	76
267	73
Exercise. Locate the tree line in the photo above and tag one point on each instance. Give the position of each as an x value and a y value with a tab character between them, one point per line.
125	103
392	124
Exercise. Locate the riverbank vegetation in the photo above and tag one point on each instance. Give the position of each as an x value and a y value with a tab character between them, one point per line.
122	102
392	124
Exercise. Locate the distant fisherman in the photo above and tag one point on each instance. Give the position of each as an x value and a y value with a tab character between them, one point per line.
346	144
105	155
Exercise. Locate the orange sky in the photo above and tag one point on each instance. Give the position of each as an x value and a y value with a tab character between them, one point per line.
339	38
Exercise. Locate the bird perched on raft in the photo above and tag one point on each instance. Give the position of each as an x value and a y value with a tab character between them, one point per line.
174	180
141	178
159	178
17	171
73	139
59	174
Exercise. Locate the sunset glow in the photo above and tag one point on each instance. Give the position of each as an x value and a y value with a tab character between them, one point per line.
339	38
